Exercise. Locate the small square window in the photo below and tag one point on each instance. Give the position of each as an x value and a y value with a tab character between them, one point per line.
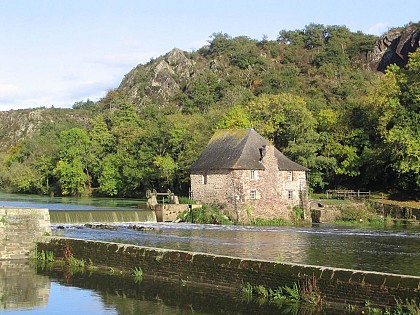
290	194
253	194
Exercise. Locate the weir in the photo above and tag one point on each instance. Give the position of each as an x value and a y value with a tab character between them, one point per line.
102	216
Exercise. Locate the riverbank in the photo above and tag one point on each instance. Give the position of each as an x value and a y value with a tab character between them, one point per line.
364	213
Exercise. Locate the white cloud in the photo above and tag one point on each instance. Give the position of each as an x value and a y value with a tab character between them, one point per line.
378	28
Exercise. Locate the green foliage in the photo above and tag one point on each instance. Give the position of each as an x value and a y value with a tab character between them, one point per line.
309	92
297	214
207	214
186	201
307	292
236	118
91	266
4	220
87	105
137	274
76	264
44	256
71	177
270	222
247	291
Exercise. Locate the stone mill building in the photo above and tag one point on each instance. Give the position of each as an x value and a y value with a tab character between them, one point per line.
242	171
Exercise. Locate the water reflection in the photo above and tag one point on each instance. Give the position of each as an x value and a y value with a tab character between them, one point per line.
120	295
21	287
54	291
69	203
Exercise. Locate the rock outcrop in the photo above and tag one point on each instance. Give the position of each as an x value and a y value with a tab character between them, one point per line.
16	125
394	47
162	78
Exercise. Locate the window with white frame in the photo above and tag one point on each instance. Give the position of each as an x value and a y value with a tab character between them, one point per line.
289	175
290	194
204	179
254	175
252	194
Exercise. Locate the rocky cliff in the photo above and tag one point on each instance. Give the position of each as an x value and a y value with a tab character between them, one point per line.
15	125
160	79
394	47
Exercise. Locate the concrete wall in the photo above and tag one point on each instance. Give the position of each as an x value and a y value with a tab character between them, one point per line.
336	285
19	230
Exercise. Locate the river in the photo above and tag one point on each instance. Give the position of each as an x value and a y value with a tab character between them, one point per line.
393	250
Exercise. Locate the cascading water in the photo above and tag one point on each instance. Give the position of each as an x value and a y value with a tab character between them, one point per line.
102	216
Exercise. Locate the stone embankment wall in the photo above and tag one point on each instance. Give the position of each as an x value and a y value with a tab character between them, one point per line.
396	211
169	212
322	213
20	228
336	285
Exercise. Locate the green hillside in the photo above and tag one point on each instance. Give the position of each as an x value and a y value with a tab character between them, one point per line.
319	94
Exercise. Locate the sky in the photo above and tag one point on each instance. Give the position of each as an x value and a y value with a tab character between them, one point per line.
58	52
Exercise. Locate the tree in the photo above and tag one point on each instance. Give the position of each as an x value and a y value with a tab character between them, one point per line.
282	118
235	118
395	106
315	35
73	166
71	177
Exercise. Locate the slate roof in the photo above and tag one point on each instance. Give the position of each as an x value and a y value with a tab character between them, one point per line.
239	150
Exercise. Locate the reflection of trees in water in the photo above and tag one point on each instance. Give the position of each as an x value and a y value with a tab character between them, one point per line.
155	296
366	250
256	244
21	287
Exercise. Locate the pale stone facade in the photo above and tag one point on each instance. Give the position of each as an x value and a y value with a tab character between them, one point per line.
20	228
264	191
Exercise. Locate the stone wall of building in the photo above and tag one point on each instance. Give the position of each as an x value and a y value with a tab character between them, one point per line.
211	186
20	228
269	194
335	285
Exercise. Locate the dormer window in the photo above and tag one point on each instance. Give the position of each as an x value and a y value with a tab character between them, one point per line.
253	175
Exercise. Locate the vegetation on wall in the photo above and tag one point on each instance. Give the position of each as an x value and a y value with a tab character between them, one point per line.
309	92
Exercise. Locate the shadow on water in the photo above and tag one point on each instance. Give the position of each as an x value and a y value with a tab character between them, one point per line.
30	290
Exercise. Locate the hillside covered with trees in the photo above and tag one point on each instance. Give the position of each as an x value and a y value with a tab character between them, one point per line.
316	93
